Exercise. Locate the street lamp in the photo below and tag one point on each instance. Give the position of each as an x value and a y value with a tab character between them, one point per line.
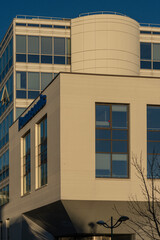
112	226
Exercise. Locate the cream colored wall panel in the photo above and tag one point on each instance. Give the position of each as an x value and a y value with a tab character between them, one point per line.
120	36
78	66
89	55
77	40
77	29
89	64
88	41
77	57
81	92
89	27
101	40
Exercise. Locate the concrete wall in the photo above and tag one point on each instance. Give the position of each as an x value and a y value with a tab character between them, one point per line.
106	44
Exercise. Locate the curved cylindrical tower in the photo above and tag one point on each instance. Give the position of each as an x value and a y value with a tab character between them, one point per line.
105	44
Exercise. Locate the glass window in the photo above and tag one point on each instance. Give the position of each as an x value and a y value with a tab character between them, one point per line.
21	94
59	59
42	152
112	140
145	50
33	81
20	57
46	45
46	78
146	64
68	46
19	111
26	164
33	44
59	46
20	44
21	80
33	94
153	141
156	51
33	58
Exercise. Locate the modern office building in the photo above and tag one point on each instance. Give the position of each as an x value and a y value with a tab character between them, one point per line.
68	159
32	52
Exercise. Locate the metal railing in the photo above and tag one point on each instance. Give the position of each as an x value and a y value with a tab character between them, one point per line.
101	12
149	25
40	17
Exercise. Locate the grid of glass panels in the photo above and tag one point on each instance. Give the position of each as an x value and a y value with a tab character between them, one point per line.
153	141
6	60
4	195
29	84
42	152
35	49
9	87
150	55
112	141
26	164
4	166
4	129
43	25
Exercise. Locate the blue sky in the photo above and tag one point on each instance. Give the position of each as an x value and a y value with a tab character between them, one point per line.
143	11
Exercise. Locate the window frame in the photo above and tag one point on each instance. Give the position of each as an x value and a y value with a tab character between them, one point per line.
25	182
112	140
154	154
39	182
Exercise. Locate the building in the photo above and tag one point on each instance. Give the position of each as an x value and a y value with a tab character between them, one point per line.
32	52
60	181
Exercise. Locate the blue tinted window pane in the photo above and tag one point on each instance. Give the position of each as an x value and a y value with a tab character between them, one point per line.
46	59
153	117
153	147
33	25
33	94
103	165
103	146
102	116
19	111
153	166
103	134
156	33
119	134
59	46
46	26
119	146
145	32
153	135
145	65
156	65
33	58
20	57
20	94
145	51
119	166
119	116
59	60
20	80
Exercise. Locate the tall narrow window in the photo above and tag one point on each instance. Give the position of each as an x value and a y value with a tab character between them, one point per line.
153	141
26	164
112	141
42	152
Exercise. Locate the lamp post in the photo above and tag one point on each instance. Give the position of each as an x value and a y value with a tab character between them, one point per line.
112	226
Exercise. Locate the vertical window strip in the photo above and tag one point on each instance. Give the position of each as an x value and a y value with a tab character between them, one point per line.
26	164
112	141
42	152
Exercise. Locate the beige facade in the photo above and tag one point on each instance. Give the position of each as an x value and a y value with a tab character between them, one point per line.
70	111
105	69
